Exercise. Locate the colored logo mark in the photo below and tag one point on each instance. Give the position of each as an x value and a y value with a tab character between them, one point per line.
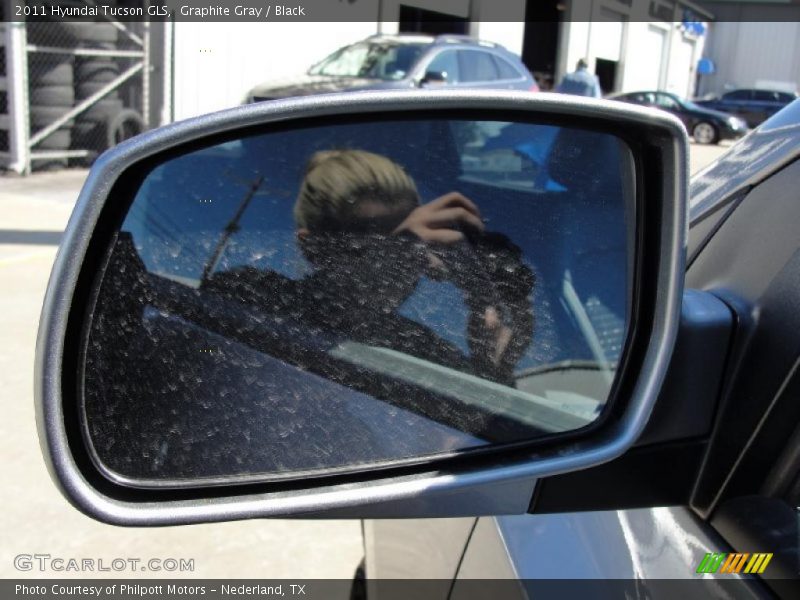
723	562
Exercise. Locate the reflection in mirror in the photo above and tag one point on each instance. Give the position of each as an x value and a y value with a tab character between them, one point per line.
327	298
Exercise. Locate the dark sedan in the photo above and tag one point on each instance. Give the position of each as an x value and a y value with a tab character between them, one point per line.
754	106
706	126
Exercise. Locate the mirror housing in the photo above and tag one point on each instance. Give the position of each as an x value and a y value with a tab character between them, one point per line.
500	483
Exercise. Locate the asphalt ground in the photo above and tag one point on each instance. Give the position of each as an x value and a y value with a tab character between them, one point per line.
37	520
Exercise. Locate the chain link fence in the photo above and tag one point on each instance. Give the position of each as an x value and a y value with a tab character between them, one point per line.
86	86
5	119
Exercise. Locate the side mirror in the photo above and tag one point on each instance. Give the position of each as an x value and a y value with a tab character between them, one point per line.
388	304
433	78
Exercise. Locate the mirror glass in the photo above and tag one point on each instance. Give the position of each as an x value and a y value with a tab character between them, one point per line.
310	300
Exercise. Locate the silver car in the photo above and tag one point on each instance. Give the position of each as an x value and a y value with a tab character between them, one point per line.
406	61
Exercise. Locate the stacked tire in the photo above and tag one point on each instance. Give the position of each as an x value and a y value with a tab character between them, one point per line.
92	74
51	89
107	122
58	82
51	95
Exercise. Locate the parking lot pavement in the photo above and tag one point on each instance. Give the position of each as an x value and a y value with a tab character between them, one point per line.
35	517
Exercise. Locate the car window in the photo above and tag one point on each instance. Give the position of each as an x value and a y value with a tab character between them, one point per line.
505	69
382	60
786	97
666	102
764	96
641	98
691	105
446	63
476	66
738	95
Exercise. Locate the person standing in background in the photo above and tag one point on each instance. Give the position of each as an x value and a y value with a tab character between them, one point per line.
580	82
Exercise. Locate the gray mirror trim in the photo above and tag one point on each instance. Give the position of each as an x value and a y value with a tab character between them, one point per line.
501	488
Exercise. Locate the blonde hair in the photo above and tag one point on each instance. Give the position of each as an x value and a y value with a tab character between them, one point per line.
337	182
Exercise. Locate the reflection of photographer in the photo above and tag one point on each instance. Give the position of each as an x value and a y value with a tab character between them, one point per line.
487	267
360	224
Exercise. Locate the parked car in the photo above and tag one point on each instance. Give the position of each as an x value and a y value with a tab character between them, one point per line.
753	105
384	62
595	376
706	126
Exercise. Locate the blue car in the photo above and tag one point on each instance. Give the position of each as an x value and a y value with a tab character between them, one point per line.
754	106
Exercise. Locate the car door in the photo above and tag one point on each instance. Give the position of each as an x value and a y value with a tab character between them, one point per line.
445	63
740	103
766	104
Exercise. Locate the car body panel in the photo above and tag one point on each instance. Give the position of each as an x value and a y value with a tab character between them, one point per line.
658	543
774	144
637	545
641	551
747	269
435	553
716	190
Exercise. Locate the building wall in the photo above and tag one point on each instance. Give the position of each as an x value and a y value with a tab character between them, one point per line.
647	62
753	54
650	54
509	34
217	63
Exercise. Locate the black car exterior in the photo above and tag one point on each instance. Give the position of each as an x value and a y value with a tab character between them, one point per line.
706	126
753	106
384	62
